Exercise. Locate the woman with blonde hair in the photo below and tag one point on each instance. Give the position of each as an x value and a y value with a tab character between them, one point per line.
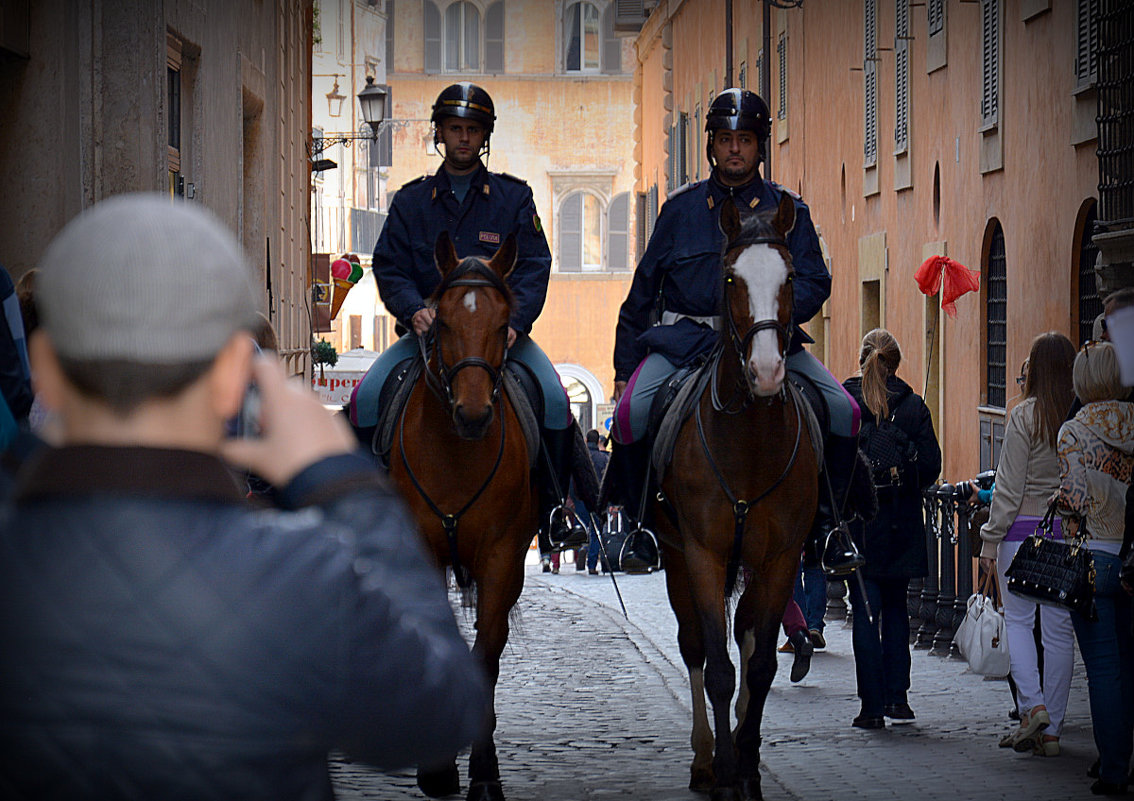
1096	458
894	541
1026	476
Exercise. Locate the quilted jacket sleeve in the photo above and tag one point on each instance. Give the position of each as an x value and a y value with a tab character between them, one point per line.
411	692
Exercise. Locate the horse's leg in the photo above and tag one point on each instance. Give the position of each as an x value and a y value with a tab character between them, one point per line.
758	616
746	642
691	643
502	578
707	579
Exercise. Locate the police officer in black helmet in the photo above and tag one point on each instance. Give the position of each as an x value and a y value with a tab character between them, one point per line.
478	209
681	266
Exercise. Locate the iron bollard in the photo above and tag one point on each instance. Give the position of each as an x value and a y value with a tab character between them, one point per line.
913	606
928	599
964	571
947	590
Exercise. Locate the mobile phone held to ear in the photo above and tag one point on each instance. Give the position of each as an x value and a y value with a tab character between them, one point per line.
247	423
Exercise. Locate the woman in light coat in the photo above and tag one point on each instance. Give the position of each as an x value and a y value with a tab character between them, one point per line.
1026	476
1096	458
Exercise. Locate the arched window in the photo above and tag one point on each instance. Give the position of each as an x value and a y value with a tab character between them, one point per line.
580	233
618	232
1090	304
996	320
581	38
462	37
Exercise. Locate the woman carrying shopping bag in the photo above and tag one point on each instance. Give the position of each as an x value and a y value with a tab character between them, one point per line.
1026	476
894	420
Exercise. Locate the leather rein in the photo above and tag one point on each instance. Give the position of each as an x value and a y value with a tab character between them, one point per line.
471	273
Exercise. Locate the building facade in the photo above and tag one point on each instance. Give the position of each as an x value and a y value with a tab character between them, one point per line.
958	128
205	100
562	83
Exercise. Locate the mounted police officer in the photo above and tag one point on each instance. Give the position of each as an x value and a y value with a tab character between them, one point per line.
670	318
478	209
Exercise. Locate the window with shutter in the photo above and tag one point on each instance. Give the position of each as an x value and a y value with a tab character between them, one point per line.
1087	43
582	35
611	44
901	76
990	63
494	38
870	83
652	210
996	320
462	38
618	233
390	33
936	12
781	53
682	174
592	232
432	41
640	205
570	224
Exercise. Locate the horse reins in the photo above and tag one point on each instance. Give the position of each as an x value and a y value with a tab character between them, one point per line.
470	274
740	344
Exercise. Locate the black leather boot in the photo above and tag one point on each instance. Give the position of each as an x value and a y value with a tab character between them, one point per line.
830	538
629	469
558	524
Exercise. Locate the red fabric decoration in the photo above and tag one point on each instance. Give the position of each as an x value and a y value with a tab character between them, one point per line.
956	277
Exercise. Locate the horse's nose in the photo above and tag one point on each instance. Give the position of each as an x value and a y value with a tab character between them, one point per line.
472	424
768	380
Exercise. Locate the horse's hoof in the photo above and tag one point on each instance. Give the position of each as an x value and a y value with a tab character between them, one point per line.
485	791
725	794
701	780
439	782
750	788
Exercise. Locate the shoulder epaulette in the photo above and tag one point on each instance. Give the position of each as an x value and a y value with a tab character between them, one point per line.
681	190
783	188
512	178
416	180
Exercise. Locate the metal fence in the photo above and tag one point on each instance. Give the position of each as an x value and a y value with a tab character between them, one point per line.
1116	115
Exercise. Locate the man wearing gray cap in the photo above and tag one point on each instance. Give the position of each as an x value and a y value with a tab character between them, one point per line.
158	637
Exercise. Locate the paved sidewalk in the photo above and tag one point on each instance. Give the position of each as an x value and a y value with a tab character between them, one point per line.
813	753
594	706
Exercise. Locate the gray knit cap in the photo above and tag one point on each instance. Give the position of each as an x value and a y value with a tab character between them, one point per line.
145	279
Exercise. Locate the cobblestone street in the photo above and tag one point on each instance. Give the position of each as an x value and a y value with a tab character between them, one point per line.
593	706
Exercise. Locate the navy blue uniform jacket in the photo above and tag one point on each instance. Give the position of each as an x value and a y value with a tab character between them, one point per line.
682	267
496	205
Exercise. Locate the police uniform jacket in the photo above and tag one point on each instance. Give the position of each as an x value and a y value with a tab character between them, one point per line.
496	205
681	273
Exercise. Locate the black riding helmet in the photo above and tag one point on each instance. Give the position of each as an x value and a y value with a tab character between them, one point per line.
738	110
466	100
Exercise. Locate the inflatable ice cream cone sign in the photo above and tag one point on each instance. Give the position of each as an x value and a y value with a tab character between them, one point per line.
345	273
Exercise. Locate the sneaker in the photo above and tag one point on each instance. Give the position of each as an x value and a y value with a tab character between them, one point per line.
593	571
546	564
899	713
1025	738
817	639
864	721
786	648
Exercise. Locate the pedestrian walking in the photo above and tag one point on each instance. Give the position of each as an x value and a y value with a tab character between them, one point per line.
894	419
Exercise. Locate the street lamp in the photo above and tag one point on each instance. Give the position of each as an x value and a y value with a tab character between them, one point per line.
372	99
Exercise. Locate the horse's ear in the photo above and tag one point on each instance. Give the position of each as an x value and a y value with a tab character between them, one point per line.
784	220
445	254
730	219
504	260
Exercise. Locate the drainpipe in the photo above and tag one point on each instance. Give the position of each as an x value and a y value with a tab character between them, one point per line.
766	81
728	45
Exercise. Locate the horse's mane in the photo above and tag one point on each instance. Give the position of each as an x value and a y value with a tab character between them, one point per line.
475	266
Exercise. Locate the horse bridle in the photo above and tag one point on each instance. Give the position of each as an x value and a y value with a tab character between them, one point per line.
740	344
471	273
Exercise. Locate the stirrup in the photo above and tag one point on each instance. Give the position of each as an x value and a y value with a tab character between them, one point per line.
630	556
840	557
562	518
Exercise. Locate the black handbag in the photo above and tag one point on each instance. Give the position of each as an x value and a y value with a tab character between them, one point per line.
1055	573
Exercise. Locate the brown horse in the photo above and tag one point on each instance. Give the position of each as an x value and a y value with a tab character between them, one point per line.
460	459
741	491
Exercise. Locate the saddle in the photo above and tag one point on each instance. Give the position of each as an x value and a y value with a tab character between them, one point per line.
518	382
676	400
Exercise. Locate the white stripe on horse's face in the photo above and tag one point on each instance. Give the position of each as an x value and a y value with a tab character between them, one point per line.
764	271
470	300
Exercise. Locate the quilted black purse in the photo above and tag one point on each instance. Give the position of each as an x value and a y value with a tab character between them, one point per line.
1055	573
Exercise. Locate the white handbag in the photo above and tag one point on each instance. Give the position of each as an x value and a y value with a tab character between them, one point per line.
982	637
